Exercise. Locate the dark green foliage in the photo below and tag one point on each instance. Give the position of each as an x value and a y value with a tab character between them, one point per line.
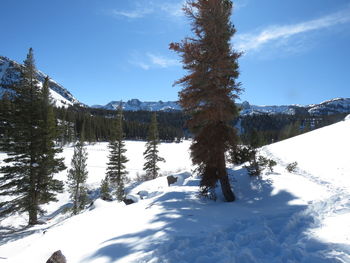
151	153
48	163
292	167
258	164
105	190
271	163
99	124
116	170
28	139
77	177
241	153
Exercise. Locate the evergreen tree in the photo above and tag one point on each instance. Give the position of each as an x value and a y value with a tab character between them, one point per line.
210	89
105	190
116	171
151	153
48	163
31	162
77	177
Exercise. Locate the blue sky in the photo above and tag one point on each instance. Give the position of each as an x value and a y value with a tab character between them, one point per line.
295	51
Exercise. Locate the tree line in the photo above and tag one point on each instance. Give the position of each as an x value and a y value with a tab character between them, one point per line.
31	137
97	124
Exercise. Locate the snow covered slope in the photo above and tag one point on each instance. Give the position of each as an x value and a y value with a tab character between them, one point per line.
9	73
302	216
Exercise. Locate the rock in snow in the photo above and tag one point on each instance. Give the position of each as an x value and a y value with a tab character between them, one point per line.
57	257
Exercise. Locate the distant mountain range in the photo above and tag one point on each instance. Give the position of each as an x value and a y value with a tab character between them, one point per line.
9	73
136	105
338	105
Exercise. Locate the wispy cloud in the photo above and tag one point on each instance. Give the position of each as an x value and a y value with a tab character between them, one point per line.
162	61
239	4
143	9
137	13
151	61
251	42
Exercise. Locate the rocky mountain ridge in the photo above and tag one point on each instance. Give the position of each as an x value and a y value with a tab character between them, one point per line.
9	73
334	106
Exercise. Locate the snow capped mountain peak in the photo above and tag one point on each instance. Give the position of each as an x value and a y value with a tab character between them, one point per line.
137	105
9	73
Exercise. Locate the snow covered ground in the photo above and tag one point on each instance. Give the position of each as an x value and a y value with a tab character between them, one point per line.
302	216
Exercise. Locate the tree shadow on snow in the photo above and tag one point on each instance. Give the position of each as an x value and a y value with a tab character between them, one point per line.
10	234
261	226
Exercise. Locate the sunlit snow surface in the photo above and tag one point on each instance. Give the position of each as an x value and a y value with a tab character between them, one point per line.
281	217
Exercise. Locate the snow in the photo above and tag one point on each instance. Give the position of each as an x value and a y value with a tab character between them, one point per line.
59	100
3	67
302	216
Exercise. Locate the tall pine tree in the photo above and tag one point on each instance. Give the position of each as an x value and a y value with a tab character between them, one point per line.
77	177
49	164
31	161
151	153
116	171
210	89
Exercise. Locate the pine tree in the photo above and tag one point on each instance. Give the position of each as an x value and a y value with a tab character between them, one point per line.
210	89
49	164
105	190
116	171
28	146
77	177
151	153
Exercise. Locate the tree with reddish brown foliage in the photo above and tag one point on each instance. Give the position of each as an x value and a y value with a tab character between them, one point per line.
210	88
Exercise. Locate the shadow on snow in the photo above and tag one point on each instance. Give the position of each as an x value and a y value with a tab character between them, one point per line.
258	227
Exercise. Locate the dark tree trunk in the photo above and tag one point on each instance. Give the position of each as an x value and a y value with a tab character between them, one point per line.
33	211
224	181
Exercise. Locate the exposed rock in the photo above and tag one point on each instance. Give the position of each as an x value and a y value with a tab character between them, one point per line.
57	257
128	201
171	179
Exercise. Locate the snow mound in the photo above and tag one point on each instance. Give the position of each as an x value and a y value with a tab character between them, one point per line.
347	118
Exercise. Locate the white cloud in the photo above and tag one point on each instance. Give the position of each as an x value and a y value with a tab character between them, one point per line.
137	13
172	9
169	9
161	61
250	42
151	61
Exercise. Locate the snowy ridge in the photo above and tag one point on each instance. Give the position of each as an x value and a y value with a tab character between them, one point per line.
9	73
301	217
338	105
136	105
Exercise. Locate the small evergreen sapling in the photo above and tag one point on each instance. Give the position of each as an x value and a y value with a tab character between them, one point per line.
116	170
77	177
292	167
151	153
271	163
105	193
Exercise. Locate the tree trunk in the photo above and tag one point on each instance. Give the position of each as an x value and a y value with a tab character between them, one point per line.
33	210
224	181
